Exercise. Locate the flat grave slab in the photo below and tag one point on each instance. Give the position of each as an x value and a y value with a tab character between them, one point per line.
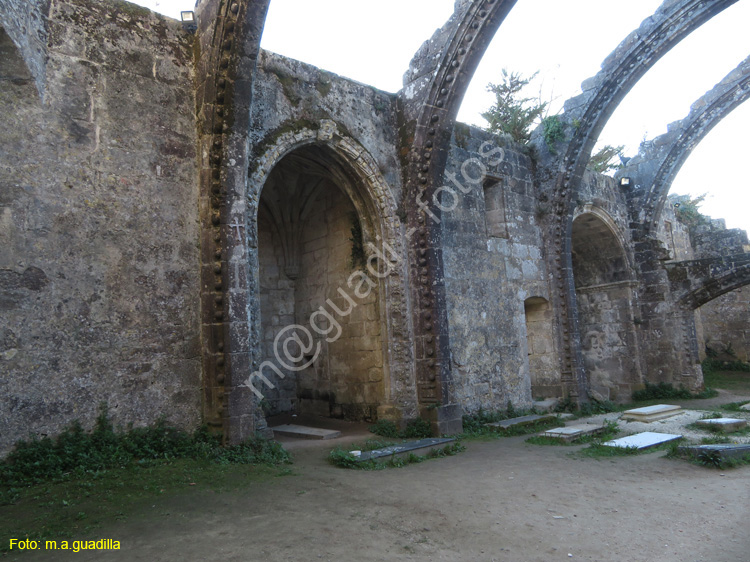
520	421
651	413
573	432
726	451
643	440
725	425
421	447
304	432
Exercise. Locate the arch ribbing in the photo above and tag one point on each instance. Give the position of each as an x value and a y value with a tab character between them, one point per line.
586	115
654	170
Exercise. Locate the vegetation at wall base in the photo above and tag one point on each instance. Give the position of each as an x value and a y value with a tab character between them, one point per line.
586	409
77	453
415	429
663	390
69	486
475	425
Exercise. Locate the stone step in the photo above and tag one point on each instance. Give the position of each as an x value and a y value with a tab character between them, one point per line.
573	432
421	447
304	432
651	413
724	425
520	421
643	440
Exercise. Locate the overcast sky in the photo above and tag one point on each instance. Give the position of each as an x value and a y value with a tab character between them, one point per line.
373	42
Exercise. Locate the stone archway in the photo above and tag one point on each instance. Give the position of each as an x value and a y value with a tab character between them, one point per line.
310	242
605	294
312	192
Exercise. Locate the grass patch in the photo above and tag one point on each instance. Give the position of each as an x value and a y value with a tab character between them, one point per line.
76	507
734	381
734	406
77	454
55	488
344	459
587	409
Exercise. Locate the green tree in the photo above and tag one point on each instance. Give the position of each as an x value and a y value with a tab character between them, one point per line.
688	213
512	114
602	160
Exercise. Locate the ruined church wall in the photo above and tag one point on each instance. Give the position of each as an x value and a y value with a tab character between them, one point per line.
289	95
98	211
726	325
493	264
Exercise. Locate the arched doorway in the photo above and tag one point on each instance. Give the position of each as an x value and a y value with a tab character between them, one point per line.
312	231
605	295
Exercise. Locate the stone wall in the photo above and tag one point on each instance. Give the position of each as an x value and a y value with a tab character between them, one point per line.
100	285
726	324
492	249
346	380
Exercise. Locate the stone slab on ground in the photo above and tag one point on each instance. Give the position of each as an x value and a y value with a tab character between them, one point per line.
643	440
573	432
305	432
520	421
725	425
421	447
726	451
745	407
652	413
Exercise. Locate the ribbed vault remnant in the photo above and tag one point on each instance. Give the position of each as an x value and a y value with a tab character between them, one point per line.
698	282
655	168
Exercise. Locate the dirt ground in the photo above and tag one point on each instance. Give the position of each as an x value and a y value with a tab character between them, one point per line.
500	500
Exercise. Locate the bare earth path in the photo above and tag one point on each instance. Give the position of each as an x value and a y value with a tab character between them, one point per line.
502	500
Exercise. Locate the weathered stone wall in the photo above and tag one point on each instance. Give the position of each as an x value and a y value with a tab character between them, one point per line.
726	323
276	311
100	285
492	249
289	95
346	380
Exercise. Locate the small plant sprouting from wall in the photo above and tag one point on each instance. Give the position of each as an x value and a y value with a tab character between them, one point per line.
554	131
358	257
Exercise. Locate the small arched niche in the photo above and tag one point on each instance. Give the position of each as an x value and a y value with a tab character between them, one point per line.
313	225
543	367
